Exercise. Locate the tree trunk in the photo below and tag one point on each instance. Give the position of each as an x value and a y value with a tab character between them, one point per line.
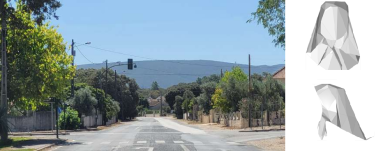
268	120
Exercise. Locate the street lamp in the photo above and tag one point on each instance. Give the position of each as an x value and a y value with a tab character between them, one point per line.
74	54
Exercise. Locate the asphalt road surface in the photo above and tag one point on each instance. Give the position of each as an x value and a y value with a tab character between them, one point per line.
161	134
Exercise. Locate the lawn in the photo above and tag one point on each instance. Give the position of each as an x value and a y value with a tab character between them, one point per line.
13	141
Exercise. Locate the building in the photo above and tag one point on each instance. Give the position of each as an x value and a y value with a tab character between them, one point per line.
280	75
154	104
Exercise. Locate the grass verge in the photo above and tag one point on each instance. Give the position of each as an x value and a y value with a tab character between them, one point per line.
13	141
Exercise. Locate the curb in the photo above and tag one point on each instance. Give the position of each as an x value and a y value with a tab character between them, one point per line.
31	134
51	145
262	130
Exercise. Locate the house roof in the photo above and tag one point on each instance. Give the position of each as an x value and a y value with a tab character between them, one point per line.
280	73
154	102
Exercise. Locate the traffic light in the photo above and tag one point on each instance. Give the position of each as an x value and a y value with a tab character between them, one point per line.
130	64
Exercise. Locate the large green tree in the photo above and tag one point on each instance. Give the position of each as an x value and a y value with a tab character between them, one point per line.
204	99
178	90
271	14
155	86
21	20
83	102
38	65
231	90
178	107
124	90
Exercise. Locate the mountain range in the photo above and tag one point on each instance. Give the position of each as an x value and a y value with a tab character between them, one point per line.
172	72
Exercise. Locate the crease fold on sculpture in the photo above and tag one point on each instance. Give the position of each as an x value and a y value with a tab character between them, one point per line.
332	44
337	109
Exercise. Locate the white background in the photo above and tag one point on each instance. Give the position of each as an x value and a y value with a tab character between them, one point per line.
366	84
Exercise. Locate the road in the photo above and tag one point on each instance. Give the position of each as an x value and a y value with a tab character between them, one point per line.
161	134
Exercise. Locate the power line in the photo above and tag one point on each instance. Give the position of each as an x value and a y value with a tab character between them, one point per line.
163	60
167	74
84	55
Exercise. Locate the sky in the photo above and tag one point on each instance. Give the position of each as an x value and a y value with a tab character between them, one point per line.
166	30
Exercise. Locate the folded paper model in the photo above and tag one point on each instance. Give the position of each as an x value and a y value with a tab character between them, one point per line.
333	45
337	110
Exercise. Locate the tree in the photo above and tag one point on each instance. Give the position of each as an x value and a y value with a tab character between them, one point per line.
178	107
219	101
83	102
233	88
155	86
179	89
124	91
234	91
39	10
204	99
188	97
144	102
271	13
38	65
72	119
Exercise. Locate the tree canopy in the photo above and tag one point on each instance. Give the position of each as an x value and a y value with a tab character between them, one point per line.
270	13
155	86
38	65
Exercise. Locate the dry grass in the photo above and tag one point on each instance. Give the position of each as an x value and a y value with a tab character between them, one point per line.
273	144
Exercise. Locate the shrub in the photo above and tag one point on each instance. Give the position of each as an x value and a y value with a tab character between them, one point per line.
72	119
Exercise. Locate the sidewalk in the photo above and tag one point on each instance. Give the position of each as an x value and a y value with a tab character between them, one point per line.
67	132
216	126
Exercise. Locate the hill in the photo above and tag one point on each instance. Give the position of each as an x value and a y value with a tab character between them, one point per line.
171	72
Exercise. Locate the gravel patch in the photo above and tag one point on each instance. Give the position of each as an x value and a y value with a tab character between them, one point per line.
273	144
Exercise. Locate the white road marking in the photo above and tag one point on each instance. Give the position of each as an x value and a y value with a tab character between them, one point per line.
141	142
222	149
233	143
105	142
136	128
197	142
173	125
178	142
87	143
123	142
57	147
116	148
160	142
251	139
184	147
149	148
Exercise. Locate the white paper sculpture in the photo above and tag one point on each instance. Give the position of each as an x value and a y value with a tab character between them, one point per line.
333	45
337	110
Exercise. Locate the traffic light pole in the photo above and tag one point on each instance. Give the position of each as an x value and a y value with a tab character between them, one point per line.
72	81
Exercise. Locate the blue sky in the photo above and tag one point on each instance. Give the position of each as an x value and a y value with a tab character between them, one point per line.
167	30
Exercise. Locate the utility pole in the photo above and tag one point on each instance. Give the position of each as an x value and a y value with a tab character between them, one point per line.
115	91
96	108
250	93
221	74
105	94
72	81
4	101
161	104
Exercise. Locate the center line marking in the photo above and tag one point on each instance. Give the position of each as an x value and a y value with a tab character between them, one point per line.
123	142
105	142
184	147
178	142
160	142
141	142
233	143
